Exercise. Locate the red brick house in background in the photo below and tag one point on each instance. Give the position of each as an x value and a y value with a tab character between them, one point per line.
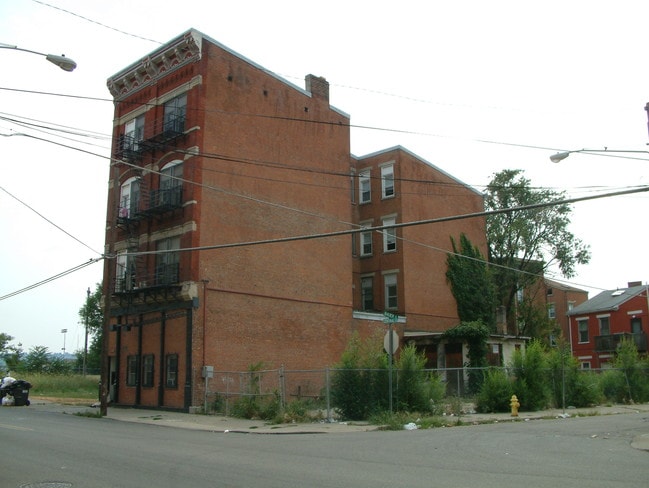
598	325
233	214
560	300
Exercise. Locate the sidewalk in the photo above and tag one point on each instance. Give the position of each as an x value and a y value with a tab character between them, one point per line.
219	423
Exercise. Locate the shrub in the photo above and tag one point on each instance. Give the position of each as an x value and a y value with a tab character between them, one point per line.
530	373
412	388
495	393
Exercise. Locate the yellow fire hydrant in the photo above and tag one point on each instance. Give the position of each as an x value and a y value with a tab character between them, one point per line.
514	404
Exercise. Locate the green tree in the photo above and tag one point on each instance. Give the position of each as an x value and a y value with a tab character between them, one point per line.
471	283
524	243
92	313
9	352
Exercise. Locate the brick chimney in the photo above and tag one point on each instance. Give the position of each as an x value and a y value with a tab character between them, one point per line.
631	284
318	87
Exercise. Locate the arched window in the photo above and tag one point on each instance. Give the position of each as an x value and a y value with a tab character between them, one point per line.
129	198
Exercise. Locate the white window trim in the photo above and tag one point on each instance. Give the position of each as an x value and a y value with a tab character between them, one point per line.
389	233
363	235
583	319
364	176
384	168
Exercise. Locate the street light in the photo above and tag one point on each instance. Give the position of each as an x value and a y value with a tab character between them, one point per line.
64	331
66	64
560	156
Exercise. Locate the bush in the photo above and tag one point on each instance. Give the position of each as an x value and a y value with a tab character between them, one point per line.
495	393
530	373
412	391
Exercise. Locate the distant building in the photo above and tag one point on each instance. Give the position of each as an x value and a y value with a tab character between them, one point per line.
598	325
561	299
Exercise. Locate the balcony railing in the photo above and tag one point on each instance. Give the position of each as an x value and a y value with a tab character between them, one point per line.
610	343
165	275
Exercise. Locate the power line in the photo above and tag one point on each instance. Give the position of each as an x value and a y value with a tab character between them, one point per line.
51	278
48	220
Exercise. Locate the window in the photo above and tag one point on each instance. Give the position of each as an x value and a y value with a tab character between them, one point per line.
125	272
167	261
175	111
390	282
552	312
582	326
636	325
131	371
367	293
171	184
550	292
133	133
171	371
585	365
364	187
352	179
129	198
366	242
387	181
604	325
389	235
147	370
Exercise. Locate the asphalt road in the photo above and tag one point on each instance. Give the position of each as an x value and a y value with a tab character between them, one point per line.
49	447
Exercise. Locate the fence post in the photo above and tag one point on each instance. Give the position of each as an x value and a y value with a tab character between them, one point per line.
328	395
282	387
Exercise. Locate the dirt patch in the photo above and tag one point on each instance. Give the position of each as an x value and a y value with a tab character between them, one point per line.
62	401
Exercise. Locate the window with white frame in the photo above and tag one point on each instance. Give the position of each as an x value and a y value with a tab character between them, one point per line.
133	133
389	235
367	293
147	370
171	371
125	272
387	181
390	284
129	198
552	311
131	370
582	327
604	324
364	187
366	241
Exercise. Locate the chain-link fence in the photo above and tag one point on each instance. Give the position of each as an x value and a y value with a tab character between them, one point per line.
236	392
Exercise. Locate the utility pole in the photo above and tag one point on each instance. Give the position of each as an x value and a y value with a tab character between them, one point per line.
85	344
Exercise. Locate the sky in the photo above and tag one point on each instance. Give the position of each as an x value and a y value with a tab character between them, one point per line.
472	87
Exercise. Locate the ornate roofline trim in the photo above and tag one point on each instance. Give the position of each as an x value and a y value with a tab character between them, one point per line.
173	55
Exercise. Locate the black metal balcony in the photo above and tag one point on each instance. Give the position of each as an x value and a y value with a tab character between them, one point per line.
165	275
165	200
610	343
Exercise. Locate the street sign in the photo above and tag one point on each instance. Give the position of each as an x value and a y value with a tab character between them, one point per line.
391	316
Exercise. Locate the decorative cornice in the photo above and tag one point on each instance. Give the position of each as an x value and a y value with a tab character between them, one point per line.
173	55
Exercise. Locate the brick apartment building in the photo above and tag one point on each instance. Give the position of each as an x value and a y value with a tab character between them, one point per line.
233	214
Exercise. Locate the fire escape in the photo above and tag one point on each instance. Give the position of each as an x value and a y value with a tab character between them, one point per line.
145	278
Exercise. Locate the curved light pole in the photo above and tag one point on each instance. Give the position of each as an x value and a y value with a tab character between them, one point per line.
66	64
560	156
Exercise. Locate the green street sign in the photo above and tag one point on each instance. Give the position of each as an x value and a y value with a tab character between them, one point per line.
391	316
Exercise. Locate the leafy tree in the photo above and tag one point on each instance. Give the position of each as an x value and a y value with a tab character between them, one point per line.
524	243
9	352
40	360
94	314
471	283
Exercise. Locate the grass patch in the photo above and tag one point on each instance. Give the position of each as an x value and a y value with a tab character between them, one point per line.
397	420
63	386
89	414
